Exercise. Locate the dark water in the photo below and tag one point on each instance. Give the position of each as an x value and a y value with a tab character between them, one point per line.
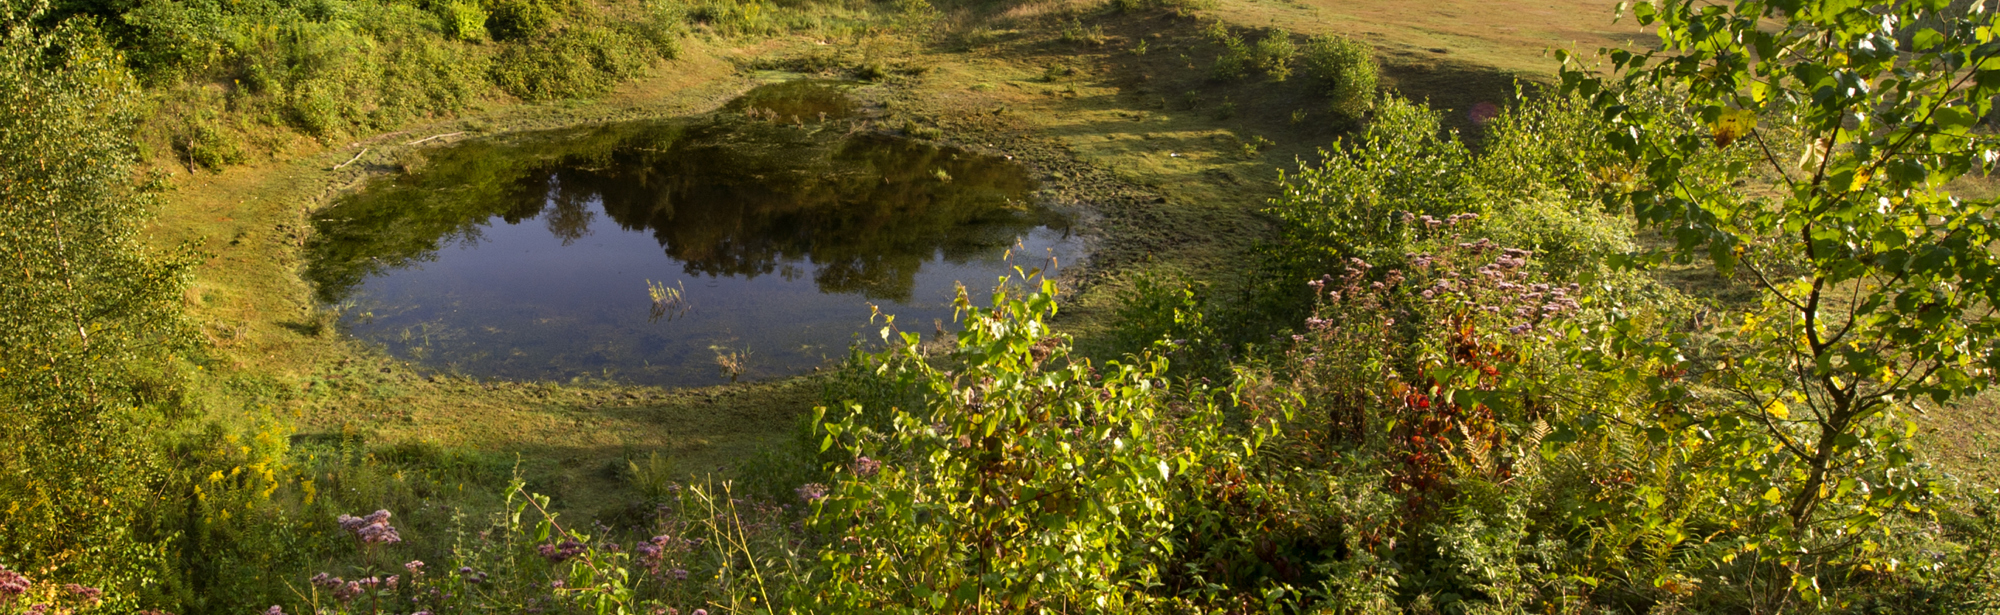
530	257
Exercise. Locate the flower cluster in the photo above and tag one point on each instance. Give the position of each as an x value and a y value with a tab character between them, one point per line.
654	554
12	585
346	591
558	553
470	575
1432	222
84	592
371	529
865	467
811	492
1501	287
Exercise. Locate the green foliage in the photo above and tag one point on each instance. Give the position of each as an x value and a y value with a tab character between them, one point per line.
465	21
170	37
1348	68
1076	32
702	547
576	62
1183	8
1274	54
520	20
329	68
205	145
1234	61
1349	205
1171	316
91	316
1027	476
1812	158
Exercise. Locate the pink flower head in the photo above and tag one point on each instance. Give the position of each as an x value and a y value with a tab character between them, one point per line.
865	467
84	592
372	529
12	584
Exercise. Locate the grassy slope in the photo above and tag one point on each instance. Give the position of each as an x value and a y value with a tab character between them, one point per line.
1138	143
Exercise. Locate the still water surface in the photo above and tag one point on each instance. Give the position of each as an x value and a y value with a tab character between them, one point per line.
531	256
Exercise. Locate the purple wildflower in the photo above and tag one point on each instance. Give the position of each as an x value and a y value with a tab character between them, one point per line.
557	553
811	492
372	529
84	592
274	610
865	467
12	584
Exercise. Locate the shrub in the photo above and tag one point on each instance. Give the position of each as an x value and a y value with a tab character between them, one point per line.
520	20
1028	475
1234	61
204	145
171	39
1347	206
735	17
576	62
1183	8
424	77
1274	54
1076	32
465	21
1348	68
318	106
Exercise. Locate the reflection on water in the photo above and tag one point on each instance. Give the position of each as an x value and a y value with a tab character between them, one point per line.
542	256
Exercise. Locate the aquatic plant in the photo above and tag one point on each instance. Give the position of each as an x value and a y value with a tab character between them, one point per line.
669	302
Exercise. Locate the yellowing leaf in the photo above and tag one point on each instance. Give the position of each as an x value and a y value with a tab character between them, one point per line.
1777	408
1773	496
1733	124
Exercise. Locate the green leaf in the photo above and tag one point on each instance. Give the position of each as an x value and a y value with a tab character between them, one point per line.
1926	39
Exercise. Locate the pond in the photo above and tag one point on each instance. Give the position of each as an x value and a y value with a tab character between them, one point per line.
750	243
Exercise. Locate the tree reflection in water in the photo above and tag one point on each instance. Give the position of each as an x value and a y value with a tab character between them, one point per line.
747	194
724	198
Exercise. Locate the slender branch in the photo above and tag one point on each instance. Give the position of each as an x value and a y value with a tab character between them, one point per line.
1773	159
357	156
442	136
1773	288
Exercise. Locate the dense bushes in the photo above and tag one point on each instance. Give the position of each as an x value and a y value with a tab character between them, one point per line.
571	63
328	68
